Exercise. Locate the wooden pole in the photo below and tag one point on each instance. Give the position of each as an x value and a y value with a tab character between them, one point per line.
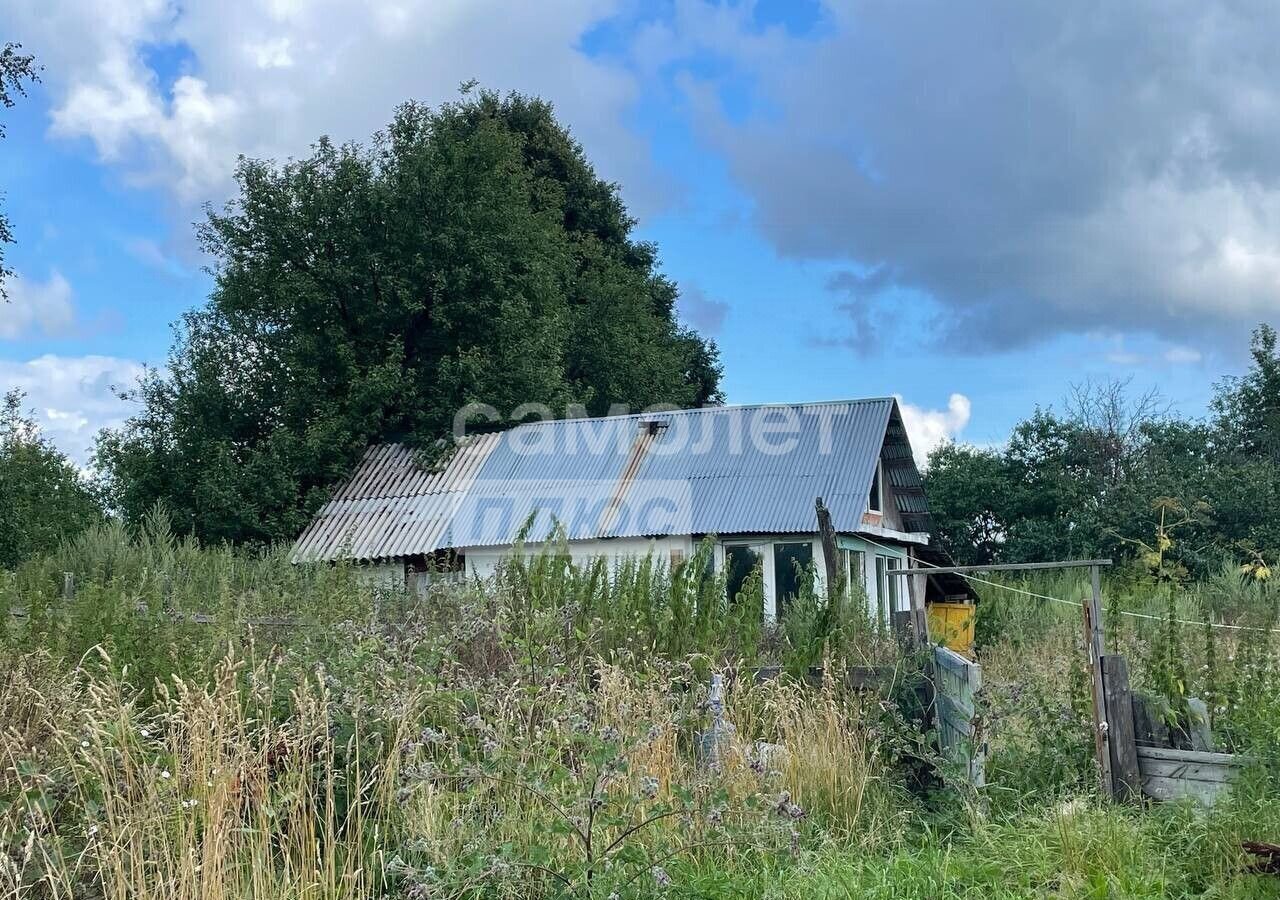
1126	779
835	584
1093	650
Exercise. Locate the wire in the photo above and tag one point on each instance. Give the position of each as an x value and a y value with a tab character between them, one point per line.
1122	612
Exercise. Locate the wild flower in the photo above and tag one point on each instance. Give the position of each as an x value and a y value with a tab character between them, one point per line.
648	787
660	877
430	735
787	809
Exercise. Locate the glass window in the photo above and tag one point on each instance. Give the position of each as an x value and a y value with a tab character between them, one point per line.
895	587
882	589
855	573
873	501
740	560
792	564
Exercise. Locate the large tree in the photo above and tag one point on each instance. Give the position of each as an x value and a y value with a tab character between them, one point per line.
43	497
469	255
15	70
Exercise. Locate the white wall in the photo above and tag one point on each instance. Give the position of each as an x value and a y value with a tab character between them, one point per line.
386	575
483	561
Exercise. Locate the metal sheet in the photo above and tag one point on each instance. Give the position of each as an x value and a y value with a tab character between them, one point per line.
716	470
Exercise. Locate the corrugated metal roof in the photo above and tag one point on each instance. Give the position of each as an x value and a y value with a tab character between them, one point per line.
391	505
715	470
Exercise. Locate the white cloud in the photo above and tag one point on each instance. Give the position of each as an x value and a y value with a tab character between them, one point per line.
266	78
1182	356
42	307
73	396
1033	167
927	428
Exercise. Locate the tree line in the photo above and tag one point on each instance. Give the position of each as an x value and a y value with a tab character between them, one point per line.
1118	474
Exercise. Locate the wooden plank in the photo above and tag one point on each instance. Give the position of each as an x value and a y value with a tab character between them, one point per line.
1169	774
955	713
1006	567
1092	643
957	681
1126	779
1197	757
952	661
1205	793
1163	768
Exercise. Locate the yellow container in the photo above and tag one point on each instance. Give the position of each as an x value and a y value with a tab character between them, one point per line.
951	624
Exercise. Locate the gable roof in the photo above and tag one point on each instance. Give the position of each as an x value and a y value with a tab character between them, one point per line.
724	470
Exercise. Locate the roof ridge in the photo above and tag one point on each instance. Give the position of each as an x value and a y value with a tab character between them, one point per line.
728	407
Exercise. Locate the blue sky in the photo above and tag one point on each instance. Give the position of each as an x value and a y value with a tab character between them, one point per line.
968	208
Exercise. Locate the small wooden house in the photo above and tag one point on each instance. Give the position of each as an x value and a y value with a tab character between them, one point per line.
654	483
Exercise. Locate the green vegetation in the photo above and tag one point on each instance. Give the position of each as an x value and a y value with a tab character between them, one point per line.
1089	480
470	254
545	733
44	498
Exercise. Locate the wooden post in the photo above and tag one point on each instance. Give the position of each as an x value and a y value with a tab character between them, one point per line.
1093	651
835	584
1126	779
918	587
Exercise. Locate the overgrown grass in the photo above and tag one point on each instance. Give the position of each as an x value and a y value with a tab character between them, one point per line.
546	734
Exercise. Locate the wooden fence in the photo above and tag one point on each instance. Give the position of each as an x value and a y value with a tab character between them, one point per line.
960	731
1169	774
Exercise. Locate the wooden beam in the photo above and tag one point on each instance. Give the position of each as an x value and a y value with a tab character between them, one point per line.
1007	567
1126	779
1093	654
835	584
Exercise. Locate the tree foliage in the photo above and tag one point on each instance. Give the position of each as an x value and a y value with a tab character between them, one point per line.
470	254
43	497
16	69
1094	479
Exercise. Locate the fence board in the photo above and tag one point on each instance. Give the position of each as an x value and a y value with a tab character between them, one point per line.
1126	778
1175	774
958	681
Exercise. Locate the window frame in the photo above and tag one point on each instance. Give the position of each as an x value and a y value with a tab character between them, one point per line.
781	603
752	548
875	495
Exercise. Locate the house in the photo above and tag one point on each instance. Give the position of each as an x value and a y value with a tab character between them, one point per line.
654	483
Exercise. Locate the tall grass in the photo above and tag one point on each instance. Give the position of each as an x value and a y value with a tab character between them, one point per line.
545	733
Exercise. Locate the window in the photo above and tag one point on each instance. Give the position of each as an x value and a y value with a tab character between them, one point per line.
854	566
740	560
441	567
882	589
874	500
888	589
892	564
792	565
